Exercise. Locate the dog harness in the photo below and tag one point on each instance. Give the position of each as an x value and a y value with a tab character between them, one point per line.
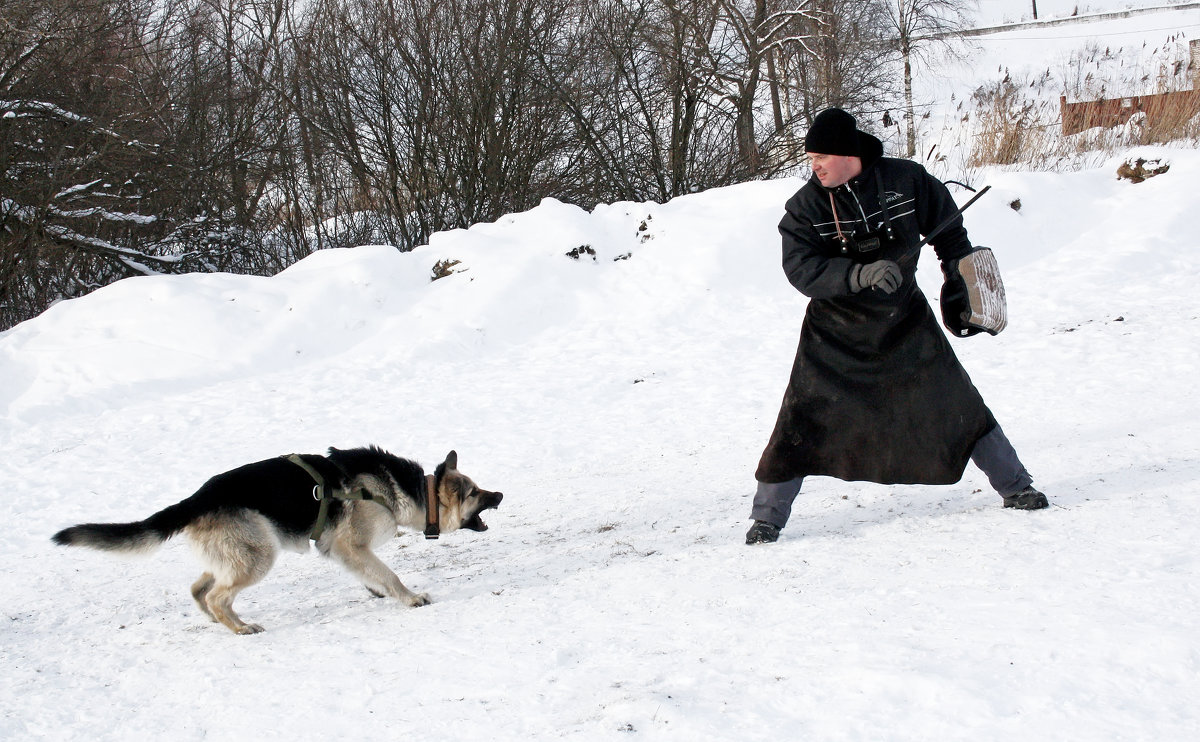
323	495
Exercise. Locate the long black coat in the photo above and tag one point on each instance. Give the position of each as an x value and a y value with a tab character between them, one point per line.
876	392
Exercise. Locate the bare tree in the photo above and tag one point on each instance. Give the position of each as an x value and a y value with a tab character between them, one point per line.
920	28
80	176
634	81
666	95
136	138
434	109
752	33
227	129
839	64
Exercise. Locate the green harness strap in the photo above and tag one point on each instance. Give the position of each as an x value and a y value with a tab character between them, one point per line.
322	496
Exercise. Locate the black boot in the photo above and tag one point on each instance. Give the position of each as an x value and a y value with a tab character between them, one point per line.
1026	499
762	532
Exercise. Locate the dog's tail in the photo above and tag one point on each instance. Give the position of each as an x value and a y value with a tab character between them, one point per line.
140	537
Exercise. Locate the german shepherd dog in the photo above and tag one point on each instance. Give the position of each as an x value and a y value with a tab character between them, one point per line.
238	521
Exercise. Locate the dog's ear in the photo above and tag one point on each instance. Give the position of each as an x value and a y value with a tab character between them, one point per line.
451	461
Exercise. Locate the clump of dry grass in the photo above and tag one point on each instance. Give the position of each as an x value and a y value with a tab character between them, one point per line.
444	268
1011	125
1018	121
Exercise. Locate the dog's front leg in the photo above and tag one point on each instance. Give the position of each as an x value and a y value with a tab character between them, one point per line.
373	573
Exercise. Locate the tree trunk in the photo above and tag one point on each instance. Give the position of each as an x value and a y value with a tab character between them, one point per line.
776	104
908	99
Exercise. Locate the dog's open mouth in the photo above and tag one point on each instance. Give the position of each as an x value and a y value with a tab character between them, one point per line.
491	501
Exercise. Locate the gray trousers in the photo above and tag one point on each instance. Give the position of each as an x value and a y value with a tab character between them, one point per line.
993	454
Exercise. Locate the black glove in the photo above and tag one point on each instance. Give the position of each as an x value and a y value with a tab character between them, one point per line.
882	274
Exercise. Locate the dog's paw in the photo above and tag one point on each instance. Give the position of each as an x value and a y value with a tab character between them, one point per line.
249	628
416	600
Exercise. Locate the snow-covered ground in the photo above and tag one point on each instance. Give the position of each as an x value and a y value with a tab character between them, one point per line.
621	404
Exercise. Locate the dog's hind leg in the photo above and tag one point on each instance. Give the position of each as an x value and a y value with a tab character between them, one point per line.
240	549
247	564
200	590
373	573
220	607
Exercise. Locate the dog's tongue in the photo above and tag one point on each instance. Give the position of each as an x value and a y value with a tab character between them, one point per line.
475	523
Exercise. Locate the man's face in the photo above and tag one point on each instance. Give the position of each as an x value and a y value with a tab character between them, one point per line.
834	170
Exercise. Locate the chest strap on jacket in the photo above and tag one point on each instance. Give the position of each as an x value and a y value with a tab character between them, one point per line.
323	495
837	223
883	205
432	524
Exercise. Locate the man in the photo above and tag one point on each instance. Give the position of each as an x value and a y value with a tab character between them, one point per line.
876	393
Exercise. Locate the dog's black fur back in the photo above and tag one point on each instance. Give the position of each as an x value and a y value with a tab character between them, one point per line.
408	474
277	488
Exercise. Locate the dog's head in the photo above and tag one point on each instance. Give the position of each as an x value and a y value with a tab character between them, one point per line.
460	500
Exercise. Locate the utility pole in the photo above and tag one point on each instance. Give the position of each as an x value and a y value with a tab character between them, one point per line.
1035	10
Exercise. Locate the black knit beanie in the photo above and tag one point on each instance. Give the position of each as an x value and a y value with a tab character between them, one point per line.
834	132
